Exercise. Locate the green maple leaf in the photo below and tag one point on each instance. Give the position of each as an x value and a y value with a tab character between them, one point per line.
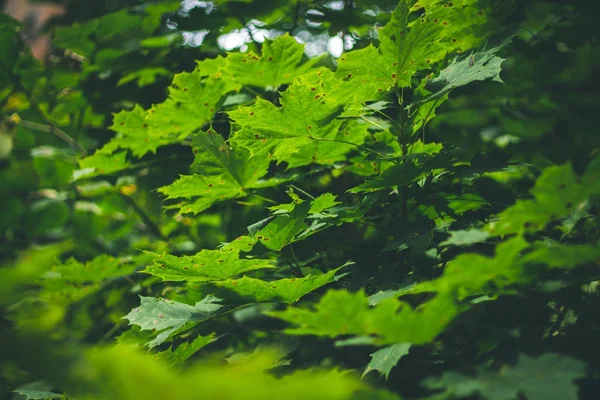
207	265
397	175
241	243
185	350
322	203
332	146
102	162
288	290
222	173
167	316
557	192
385	359
279	63
475	67
37	390
96	270
282	230
465	237
408	43
391	321
470	274
194	97
307	113
557	255
547	377
192	103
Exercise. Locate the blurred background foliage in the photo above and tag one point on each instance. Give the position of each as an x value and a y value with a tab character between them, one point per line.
104	56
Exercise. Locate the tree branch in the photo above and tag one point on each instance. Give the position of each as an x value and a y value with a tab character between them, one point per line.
51	127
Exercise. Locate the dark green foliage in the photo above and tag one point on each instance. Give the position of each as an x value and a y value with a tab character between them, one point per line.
199	201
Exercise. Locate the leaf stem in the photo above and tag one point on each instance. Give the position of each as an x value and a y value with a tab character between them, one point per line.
154	228
351	144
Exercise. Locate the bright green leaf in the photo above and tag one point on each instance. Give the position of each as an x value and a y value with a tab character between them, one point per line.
207	265
281	231
288	290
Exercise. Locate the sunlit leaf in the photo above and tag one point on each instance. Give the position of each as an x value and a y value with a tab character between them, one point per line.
207	265
288	290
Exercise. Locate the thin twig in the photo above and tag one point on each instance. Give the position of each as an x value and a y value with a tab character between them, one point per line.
425	120
310	196
51	128
147	220
59	133
384	114
352	144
